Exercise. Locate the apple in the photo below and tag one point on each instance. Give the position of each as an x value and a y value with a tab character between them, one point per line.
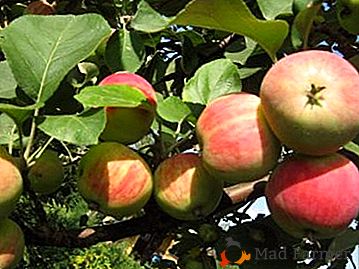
12	244
46	174
41	7
128	125
314	196
310	100
236	141
184	189
115	178
11	183
348	15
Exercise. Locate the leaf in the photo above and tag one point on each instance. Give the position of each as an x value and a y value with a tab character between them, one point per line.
149	20
219	15
19	113
353	147
125	51
7	130
243	55
302	25
41	50
7	81
247	72
83	129
114	96
173	109
273	8
212	80
342	242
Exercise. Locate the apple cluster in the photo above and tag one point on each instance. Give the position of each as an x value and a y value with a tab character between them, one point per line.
11	236
45	176
117	181
308	103
310	100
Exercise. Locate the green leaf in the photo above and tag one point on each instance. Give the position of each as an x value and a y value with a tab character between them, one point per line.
41	50
342	242
273	8
8	129
173	109
19	113
83	129
242	56
302	25
114	96
212	80
353	147
7	81
247	72
125	51
219	15
149	20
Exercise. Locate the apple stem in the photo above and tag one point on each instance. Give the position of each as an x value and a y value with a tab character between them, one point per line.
314	95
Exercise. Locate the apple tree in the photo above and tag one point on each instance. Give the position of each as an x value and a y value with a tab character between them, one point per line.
145	133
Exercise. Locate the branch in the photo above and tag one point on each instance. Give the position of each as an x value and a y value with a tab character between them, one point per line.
153	221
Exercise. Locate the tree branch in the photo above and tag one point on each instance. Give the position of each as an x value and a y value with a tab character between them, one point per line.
154	220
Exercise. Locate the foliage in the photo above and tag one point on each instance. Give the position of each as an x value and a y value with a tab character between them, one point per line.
191	52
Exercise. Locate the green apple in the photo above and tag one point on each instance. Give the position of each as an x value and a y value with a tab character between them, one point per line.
47	173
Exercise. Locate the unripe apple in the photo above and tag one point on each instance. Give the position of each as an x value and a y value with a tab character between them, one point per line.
47	173
115	178
237	144
128	125
12	244
348	15
315	196
184	189
11	184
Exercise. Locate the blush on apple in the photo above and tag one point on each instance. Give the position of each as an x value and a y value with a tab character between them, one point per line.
184	189
115	178
11	184
237	144
128	125
310	100
314	196
12	244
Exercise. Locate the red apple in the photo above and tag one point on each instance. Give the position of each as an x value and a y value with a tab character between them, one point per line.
237	144
10	184
47	173
128	125
311	101
12	244
315	196
115	178
184	189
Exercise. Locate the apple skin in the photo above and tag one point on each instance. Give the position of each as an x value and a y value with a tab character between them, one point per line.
314	195
310	125
47	173
12	244
184	189
237	143
115	178
128	125
11	184
348	15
